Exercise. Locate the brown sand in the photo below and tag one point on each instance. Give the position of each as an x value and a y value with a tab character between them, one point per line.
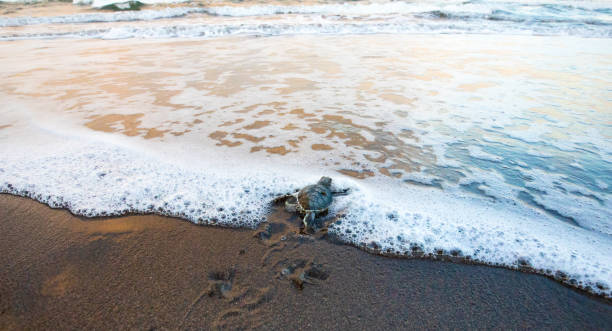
59	271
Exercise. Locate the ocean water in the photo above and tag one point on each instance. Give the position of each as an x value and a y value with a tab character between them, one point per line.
479	128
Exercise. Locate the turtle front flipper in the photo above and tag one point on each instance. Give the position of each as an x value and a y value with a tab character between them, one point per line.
309	219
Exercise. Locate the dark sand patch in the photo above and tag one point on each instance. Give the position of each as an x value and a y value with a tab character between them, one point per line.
248	137
290	126
257	125
321	147
107	123
220	137
300	113
130	123
60	271
154	133
230	123
361	174
280	150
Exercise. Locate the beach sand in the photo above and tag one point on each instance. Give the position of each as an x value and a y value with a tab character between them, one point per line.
60	271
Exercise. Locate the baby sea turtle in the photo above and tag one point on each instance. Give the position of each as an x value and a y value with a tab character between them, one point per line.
312	200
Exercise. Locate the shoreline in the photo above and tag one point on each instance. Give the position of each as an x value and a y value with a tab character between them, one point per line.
292	228
137	271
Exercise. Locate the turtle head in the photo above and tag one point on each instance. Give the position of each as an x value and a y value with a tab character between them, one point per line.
325	181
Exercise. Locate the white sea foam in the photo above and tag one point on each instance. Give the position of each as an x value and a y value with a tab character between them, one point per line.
589	209
601	184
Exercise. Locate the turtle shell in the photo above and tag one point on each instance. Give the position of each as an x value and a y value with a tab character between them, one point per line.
315	197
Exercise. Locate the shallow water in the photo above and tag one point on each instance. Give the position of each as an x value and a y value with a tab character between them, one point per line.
495	147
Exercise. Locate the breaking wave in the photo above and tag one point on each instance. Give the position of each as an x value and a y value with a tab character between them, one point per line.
586	19
145	15
266	29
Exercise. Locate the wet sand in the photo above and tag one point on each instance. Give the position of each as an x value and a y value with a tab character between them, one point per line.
60	271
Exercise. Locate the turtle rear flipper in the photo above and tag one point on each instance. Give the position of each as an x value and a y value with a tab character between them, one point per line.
345	191
280	199
291	204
